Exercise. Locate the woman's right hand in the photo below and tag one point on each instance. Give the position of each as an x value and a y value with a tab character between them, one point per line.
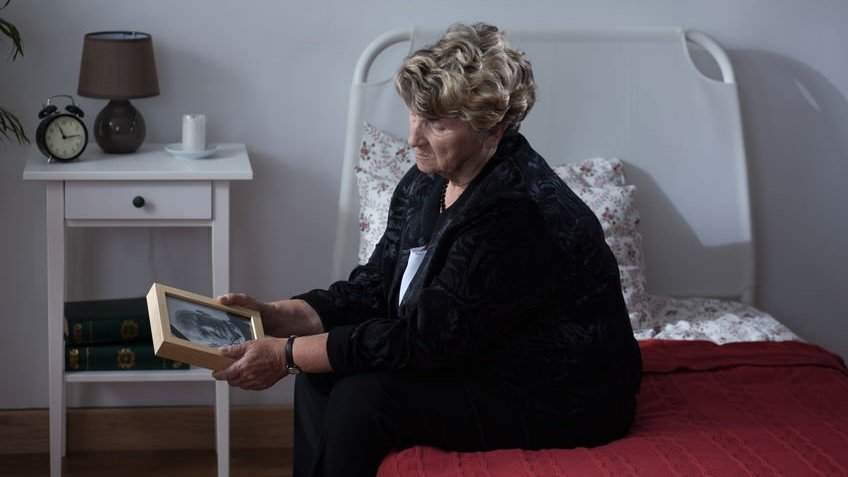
279	318
267	311
241	299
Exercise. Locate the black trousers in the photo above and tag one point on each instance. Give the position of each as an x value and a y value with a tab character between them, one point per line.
345	426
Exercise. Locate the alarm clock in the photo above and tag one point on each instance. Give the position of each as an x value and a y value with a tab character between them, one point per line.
61	135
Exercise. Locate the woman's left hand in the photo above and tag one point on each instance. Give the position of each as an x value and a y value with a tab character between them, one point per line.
259	363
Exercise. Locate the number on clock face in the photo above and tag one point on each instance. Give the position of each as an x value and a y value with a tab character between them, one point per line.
64	137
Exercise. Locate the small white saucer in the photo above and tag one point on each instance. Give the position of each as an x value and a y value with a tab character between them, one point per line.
177	150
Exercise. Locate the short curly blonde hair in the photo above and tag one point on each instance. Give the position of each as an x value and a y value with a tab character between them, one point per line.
471	73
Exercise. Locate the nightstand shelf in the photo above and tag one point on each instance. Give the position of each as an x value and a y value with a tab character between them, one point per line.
193	374
99	190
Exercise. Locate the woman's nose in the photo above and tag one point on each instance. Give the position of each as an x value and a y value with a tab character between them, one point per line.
415	138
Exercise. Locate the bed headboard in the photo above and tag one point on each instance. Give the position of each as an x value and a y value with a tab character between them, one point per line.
634	94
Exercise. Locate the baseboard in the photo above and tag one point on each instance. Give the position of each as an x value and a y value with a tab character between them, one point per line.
157	428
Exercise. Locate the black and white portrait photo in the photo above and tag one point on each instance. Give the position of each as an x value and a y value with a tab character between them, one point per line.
205	325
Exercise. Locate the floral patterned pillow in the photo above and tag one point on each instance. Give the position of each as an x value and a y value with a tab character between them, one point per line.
616	209
719	321
383	160
594	172
600	182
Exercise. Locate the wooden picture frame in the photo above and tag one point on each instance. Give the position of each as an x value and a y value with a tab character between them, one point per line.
191	328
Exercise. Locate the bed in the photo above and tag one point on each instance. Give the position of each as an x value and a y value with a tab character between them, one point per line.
644	124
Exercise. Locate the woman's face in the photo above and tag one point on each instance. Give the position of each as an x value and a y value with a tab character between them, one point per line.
449	147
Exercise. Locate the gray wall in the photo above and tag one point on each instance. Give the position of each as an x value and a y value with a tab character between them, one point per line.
275	75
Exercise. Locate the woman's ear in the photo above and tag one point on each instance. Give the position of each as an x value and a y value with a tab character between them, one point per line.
495	135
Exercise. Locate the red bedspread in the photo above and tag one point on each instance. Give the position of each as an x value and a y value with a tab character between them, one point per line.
741	409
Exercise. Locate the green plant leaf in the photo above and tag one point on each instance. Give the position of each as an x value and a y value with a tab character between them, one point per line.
12	32
11	126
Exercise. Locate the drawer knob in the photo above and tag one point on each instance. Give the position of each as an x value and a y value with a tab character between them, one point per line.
138	202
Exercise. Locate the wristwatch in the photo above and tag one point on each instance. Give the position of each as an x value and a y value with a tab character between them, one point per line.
290	366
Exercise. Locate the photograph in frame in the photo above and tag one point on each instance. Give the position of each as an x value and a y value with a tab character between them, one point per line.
192	328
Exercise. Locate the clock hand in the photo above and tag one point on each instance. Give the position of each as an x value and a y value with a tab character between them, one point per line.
63	133
75	135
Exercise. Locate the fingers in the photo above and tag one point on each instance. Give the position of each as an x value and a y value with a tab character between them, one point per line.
256	367
233	374
239	299
235	351
244	377
221	374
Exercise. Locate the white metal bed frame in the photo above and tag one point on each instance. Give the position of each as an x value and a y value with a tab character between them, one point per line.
635	94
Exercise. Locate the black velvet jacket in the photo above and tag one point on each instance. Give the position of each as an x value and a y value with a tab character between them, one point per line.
517	287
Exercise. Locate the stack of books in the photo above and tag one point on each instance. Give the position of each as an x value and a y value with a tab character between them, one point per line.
111	335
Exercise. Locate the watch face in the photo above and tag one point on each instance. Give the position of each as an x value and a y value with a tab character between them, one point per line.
65	137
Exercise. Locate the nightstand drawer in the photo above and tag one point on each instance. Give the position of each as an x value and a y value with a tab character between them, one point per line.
138	200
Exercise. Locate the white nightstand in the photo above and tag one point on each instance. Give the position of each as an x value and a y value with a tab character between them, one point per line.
99	190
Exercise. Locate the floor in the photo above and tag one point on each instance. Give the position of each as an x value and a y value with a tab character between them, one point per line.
183	463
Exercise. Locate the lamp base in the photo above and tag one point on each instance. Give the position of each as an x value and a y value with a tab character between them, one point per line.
119	127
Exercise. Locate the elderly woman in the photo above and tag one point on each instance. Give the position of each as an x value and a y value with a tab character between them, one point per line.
490	314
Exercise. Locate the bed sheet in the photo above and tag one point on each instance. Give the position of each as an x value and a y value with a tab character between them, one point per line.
719	321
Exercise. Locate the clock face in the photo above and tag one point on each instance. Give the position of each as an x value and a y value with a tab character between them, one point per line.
65	137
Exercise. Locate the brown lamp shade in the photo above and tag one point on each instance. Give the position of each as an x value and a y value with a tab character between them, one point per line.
118	65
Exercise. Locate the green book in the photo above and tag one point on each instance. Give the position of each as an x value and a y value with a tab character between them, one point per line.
117	357
122	320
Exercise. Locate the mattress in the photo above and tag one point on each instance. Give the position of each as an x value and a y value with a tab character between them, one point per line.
738	409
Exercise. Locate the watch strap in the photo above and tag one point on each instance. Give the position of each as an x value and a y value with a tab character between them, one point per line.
290	366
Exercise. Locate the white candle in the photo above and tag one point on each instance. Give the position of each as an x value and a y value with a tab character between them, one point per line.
194	132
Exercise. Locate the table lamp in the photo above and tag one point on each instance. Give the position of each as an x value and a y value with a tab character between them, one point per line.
118	66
